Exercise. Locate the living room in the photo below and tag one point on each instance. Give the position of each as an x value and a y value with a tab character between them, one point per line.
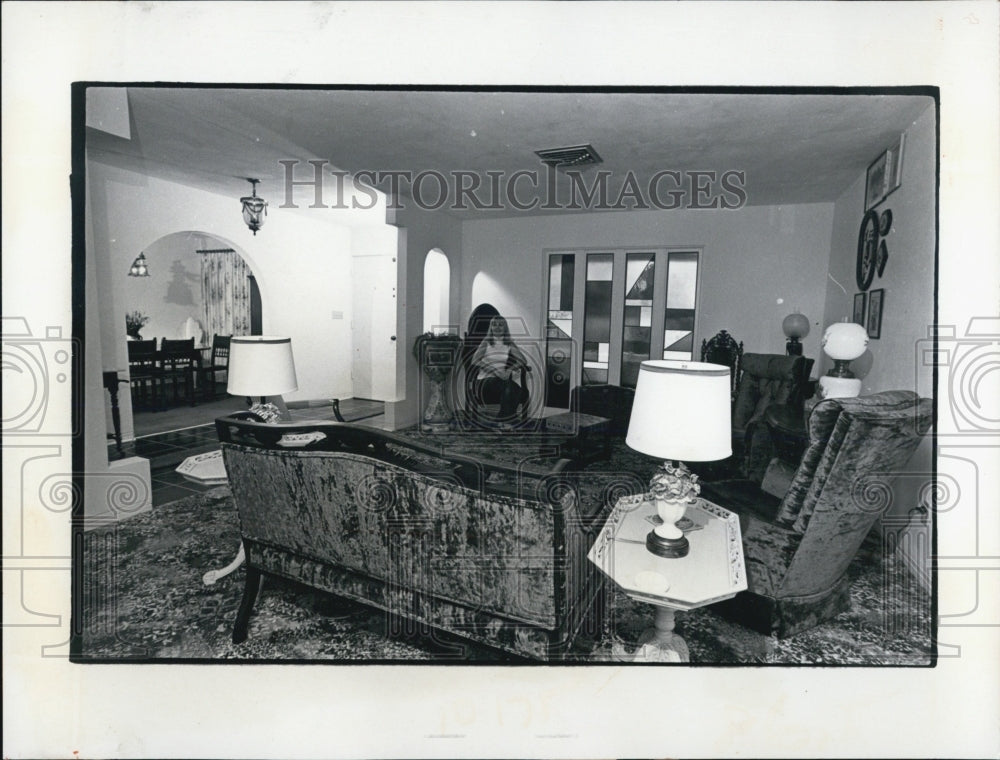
792	246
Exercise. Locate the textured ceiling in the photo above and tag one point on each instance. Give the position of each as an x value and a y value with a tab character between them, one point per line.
793	148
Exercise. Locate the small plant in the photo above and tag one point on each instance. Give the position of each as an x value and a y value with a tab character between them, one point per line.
134	322
674	483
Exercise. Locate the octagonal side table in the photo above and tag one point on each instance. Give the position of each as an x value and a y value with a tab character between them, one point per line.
713	569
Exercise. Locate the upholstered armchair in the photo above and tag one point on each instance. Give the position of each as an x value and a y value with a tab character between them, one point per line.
797	546
765	379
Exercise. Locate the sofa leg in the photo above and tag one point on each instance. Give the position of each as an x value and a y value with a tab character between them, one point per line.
250	591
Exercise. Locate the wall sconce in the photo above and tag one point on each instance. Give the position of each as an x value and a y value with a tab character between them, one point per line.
795	326
138	268
254	208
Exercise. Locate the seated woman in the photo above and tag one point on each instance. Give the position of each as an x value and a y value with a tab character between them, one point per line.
494	363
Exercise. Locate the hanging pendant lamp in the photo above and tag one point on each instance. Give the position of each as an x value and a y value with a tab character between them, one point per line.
254	208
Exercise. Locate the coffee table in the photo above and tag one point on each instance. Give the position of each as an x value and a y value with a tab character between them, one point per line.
588	434
713	569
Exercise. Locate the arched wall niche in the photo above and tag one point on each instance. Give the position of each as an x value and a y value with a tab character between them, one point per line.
437	291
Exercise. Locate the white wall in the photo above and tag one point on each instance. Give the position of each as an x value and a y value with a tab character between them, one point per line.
751	258
300	259
894	361
908	278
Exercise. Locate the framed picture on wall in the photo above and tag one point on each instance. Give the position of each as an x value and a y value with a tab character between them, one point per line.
859	309
884	175
875	181
876	302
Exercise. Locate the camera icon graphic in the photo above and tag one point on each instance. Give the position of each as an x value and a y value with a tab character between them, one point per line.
968	373
34	369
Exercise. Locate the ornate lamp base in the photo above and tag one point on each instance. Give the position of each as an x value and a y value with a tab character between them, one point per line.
667	547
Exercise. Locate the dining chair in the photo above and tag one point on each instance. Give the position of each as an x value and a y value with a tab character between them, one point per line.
177	366
219	363
144	374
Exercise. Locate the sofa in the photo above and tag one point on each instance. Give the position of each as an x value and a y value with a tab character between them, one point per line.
798	546
492	553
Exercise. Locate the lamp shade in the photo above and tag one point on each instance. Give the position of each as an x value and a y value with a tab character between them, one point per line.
681	411
845	340
795	325
261	365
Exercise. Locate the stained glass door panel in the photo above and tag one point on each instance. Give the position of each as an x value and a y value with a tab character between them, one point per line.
597	318
678	318
637	330
559	330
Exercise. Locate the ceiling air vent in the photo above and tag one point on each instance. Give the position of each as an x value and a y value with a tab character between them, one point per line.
566	158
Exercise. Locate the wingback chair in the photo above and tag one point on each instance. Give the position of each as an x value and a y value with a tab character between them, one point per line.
797	548
765	379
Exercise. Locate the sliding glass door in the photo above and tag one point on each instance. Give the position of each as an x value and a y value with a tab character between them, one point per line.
610	310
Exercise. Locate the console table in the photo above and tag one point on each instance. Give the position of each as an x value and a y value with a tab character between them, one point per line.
712	571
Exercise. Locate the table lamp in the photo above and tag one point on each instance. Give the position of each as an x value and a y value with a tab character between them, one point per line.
795	326
261	366
843	342
681	412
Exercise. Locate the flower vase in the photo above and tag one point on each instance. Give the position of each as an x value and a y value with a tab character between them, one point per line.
666	539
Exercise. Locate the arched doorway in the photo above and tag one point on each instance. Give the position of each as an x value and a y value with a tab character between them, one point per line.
196	286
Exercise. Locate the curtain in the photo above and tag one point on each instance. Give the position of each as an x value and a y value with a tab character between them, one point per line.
225	293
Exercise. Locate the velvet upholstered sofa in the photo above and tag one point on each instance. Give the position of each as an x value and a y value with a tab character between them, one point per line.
489	552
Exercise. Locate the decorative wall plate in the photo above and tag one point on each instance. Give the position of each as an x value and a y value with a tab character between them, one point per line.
867	262
885	222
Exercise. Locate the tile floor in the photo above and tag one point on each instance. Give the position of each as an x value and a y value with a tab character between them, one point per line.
166	450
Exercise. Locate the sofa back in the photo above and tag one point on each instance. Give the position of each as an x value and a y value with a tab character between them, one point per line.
400	515
843	483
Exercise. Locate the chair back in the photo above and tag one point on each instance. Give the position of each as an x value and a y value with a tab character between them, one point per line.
141	350
220	349
177	353
856	448
766	379
723	349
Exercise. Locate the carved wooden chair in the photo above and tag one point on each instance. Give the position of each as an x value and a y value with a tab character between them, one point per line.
723	349
477	408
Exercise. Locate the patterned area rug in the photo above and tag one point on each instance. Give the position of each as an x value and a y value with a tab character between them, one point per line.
143	599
